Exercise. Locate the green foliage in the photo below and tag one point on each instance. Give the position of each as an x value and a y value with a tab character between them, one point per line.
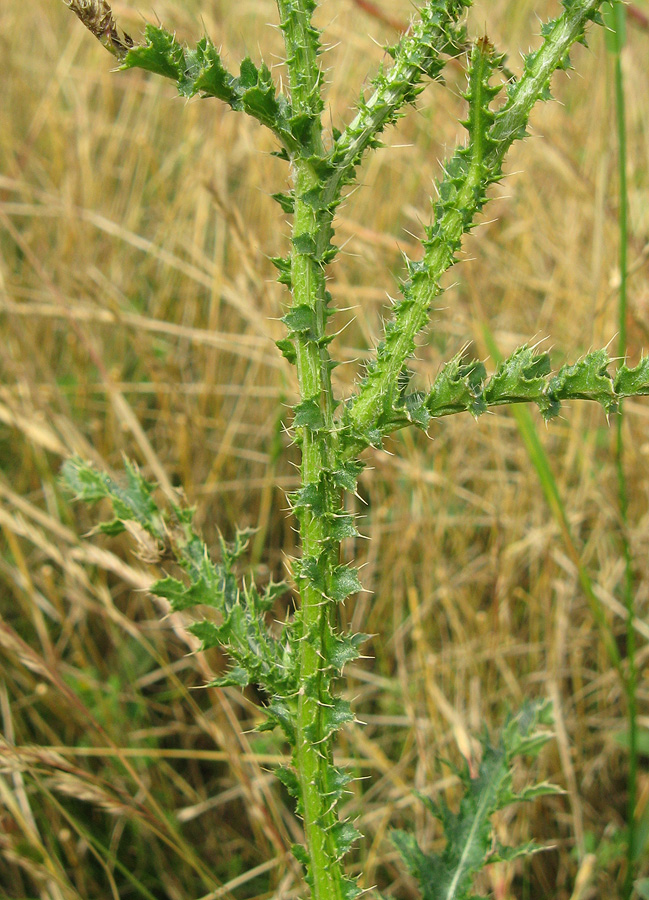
297	663
470	838
259	657
420	54
201	71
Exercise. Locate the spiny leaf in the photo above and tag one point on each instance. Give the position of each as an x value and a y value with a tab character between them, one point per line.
632	382
286	201
587	379
344	835
469	834
312	496
519	378
346	476
340	526
281	713
132	501
242	631
287	349
339	649
302	319
235	677
459	386
290	780
162	55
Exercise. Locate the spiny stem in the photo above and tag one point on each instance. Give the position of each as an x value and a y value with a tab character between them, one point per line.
419	54
313	755
467	187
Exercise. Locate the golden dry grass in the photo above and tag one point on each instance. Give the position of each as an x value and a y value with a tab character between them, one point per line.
138	309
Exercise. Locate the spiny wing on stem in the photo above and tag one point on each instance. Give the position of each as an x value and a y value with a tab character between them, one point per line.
525	377
422	53
461	194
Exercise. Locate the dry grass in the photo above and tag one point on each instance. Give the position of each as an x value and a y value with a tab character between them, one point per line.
138	309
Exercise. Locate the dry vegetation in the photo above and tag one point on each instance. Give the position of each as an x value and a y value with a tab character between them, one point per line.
138	309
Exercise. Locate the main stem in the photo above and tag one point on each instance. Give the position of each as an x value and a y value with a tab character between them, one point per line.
314	750
314	745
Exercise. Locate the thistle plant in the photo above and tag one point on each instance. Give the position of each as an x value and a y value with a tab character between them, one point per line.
299	661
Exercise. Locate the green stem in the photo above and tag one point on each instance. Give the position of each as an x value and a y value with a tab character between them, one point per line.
457	219
631	679
311	232
314	750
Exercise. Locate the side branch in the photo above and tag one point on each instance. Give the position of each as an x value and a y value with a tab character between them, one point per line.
418	54
462	193
195	71
525	377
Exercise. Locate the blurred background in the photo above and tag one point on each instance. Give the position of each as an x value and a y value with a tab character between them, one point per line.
138	309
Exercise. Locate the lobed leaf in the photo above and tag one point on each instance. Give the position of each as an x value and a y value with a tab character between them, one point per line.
470	840
242	631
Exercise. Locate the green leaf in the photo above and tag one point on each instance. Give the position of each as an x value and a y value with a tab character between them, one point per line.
519	378
303	320
172	590
347	475
287	349
210	77
235	677
458	387
587	379
332	717
300	852
131	502
313	496
340	649
112	528
469	834
633	382
341	526
290	781
305	245
286	201
344	835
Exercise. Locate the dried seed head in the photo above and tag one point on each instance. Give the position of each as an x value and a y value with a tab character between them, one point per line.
98	18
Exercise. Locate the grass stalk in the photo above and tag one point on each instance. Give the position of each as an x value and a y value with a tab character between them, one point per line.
616	21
